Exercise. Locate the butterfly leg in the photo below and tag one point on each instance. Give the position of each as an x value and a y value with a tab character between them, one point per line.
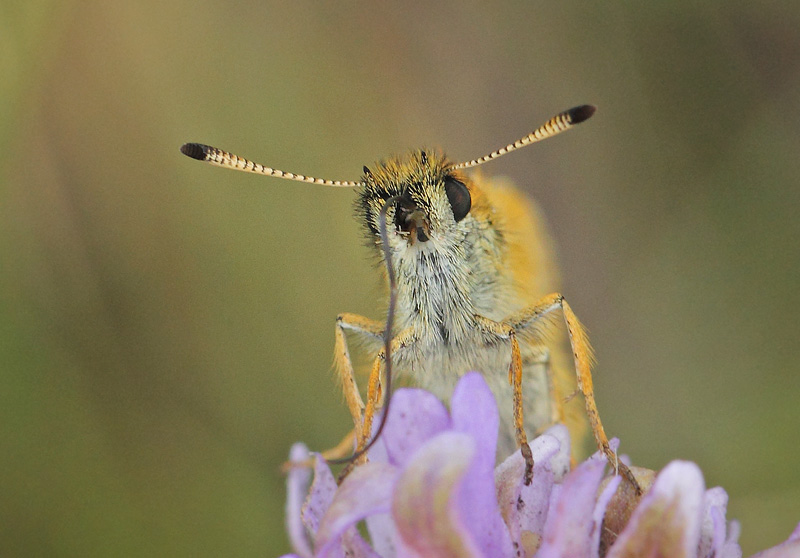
346	375
583	357
500	330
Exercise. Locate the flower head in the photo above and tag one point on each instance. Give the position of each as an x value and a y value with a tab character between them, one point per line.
431	489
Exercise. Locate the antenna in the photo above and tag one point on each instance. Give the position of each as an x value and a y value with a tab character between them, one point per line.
559	123
221	158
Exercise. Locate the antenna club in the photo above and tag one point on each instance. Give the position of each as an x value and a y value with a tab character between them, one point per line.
581	113
194	150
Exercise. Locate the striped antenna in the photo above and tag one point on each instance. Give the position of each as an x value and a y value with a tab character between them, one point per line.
559	123
227	160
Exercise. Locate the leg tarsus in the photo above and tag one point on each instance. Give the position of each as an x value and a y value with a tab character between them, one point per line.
527	455
515	372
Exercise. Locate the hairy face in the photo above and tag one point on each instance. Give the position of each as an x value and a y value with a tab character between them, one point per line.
428	198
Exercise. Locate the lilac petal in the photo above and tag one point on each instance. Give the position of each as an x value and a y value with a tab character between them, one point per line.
795	536
734	530
424	508
367	490
524	508
297	482
561	463
546	451
568	529
508	484
380	526
788	549
415	416
712	530
320	496
731	548
383	534
474	412
378	451
600	509
354	545
667	521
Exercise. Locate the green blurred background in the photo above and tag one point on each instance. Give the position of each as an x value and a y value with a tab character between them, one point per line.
166	328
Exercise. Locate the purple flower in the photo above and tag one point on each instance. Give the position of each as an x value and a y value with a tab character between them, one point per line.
430	489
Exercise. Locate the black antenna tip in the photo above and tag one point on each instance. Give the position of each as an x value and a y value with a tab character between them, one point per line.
581	113
194	150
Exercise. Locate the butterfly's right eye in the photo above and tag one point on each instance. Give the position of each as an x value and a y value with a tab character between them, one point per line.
458	196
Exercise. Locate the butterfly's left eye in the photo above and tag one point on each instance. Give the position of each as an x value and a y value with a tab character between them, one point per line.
458	196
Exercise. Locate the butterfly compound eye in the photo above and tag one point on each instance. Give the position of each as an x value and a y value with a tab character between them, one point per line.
458	196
